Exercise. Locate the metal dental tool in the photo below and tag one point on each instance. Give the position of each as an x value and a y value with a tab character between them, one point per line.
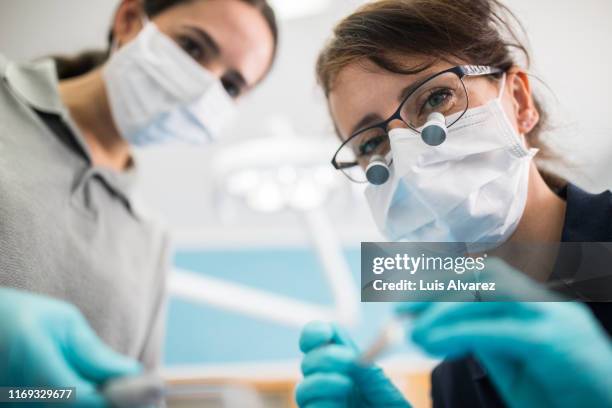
152	390
392	334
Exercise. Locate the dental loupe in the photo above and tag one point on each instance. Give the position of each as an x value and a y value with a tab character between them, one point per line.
378	172
435	131
434	134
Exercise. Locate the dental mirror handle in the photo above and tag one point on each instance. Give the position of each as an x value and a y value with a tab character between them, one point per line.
134	392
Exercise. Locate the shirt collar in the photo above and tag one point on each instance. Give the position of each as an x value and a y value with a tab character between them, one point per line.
36	84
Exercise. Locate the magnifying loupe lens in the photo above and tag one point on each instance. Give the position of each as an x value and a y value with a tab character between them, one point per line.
434	132
378	173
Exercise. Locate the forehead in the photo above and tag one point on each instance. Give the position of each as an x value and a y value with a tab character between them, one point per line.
242	32
364	89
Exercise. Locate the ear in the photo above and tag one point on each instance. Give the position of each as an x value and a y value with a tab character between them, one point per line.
127	22
525	111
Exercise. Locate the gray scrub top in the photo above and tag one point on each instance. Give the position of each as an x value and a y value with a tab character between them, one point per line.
71	230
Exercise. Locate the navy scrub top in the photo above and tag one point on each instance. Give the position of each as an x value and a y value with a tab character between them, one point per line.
464	383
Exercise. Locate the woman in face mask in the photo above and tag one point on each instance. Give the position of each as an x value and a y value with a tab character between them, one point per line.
69	228
433	108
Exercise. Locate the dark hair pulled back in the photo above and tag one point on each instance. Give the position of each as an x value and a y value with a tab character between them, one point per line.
70	67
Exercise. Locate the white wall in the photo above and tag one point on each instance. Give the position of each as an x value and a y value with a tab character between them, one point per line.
571	51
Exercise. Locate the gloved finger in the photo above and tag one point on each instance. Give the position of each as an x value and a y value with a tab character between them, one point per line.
412	308
505	374
342	337
316	334
505	336
324	387
443	314
329	359
54	371
92	358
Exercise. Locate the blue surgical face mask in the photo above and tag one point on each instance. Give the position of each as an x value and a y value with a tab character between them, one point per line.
158	93
472	188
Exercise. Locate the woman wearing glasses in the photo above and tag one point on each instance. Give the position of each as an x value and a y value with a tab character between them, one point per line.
82	269
434	92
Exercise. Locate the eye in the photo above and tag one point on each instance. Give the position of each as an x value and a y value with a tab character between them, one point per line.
192	47
372	145
232	89
437	99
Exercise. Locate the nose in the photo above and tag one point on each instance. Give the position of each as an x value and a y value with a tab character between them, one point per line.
216	69
396	124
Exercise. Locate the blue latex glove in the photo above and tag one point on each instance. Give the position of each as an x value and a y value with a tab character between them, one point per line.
333	377
48	343
547	354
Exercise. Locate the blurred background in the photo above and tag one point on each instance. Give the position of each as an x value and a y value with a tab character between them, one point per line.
267	235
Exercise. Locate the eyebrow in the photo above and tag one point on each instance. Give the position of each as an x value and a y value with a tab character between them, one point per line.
413	86
367	120
210	42
371	118
207	40
407	91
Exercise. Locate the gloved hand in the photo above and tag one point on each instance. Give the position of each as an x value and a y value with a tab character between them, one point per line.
548	354
48	343
333	376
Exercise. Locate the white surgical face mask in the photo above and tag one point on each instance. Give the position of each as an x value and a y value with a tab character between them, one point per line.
158	93
472	188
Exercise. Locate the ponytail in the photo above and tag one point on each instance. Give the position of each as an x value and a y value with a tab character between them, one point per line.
71	67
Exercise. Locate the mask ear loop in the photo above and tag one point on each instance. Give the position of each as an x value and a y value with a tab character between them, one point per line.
503	87
145	20
531	151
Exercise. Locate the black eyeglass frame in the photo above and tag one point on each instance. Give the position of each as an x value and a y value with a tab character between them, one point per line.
461	71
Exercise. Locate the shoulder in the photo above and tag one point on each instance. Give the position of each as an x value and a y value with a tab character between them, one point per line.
34	84
588	216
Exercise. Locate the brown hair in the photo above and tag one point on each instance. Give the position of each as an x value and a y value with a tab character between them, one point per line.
480	32
70	67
